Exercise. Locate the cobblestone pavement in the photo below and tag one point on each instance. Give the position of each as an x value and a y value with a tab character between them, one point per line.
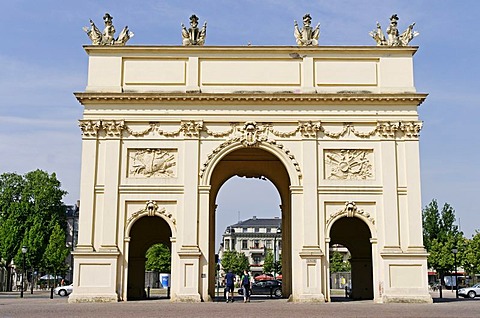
40	305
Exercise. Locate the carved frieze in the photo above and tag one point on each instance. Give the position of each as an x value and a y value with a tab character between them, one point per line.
113	128
243	140
309	128
350	210
192	128
89	128
349	164
411	129
146	163
252	132
151	209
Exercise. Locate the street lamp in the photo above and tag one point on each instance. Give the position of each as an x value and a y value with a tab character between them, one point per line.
455	251
24	251
278	231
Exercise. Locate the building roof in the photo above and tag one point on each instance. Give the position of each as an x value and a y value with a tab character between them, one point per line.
256	222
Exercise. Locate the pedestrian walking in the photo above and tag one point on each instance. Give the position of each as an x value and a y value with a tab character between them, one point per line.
230	285
246	286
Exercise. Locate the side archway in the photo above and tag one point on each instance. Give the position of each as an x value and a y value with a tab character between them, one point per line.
144	229
355	232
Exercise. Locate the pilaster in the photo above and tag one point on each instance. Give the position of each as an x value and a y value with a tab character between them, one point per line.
390	199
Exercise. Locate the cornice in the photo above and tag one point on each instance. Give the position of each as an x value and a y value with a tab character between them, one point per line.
235	49
92	98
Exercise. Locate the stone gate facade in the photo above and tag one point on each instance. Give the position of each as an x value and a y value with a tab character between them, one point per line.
335	129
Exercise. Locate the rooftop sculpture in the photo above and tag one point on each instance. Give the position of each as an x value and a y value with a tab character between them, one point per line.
194	36
393	37
307	36
107	37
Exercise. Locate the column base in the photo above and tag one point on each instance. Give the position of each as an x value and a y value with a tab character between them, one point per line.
307	298
408	299
195	298
106	298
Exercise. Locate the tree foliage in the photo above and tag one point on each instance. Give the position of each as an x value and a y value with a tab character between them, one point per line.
235	261
471	257
440	236
337	264
30	208
268	262
56	251
158	259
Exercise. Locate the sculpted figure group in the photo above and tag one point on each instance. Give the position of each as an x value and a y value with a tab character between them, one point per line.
107	37
194	36
394	38
306	36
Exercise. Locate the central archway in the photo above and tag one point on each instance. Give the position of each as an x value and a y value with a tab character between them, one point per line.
253	162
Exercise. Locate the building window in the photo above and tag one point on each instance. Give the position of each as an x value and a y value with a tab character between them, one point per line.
256	260
257	229
256	244
227	245
244	244
268	244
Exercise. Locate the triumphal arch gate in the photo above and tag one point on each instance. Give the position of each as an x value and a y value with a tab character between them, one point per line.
335	129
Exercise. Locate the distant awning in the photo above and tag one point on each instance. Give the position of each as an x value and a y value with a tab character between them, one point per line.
49	276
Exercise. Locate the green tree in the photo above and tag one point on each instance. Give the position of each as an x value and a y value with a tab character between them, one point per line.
235	261
268	262
337	264
56	251
471	259
30	207
440	236
158	258
13	215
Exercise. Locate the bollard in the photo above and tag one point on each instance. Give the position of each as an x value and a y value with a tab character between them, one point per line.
168	292
51	292
440	290
346	292
148	292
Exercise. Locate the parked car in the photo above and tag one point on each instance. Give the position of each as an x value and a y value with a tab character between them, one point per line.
266	287
470	292
63	290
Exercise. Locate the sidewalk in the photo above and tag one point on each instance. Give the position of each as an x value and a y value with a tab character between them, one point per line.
40	305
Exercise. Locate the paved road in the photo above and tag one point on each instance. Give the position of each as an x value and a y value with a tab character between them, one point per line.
40	305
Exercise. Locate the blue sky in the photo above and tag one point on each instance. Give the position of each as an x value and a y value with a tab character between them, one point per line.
42	63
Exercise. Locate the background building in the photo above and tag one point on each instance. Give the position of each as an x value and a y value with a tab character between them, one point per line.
254	237
72	236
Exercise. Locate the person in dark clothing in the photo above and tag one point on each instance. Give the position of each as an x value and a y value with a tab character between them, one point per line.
246	286
230	284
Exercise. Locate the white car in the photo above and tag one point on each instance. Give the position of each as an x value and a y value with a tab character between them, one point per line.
63	290
470	292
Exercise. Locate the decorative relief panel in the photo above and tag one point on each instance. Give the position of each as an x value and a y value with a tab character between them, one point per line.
349	164
146	163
